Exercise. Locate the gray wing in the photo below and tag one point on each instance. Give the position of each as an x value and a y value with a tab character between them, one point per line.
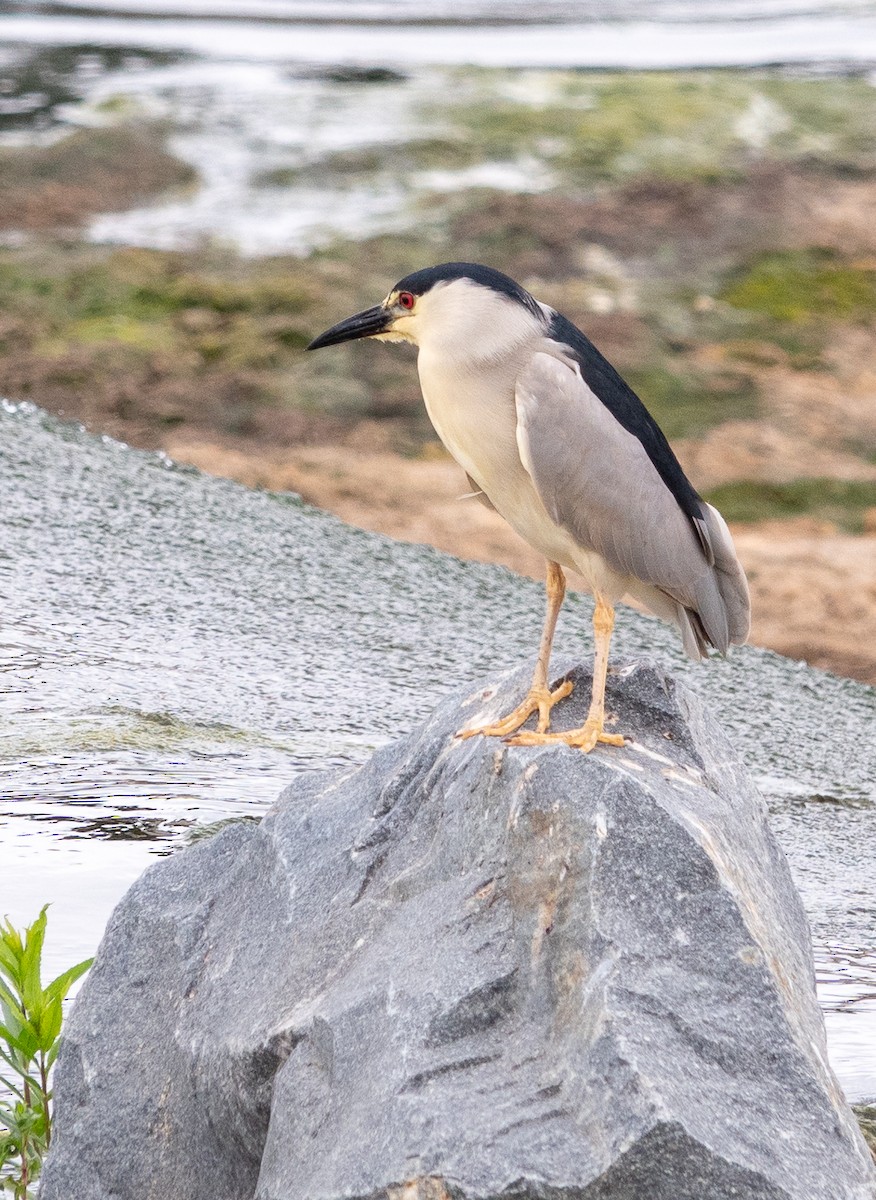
596	480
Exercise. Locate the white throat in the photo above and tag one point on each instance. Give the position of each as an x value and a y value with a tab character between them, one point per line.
461	324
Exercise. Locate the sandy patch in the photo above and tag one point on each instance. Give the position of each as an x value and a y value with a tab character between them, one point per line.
765	451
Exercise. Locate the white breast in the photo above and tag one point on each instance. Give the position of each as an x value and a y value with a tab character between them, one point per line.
475	416
475	421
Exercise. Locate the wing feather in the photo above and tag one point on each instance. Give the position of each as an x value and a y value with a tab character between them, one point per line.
598	483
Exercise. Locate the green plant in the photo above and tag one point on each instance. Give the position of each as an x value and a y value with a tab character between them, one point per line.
29	1036
804	285
843	501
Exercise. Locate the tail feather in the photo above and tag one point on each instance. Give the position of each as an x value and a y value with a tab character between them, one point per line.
721	613
729	577
693	636
718	613
723	607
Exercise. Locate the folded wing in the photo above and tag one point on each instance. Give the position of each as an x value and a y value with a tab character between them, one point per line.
597	481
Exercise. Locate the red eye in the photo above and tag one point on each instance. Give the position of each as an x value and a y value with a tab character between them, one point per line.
406	300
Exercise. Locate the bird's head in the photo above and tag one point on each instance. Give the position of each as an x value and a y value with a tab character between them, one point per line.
460	308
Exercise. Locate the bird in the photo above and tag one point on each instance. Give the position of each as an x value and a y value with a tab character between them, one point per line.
552	438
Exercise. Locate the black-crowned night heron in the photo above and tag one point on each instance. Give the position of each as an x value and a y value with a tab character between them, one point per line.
553	439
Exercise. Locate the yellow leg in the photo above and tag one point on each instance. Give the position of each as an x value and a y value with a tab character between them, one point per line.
539	698
592	731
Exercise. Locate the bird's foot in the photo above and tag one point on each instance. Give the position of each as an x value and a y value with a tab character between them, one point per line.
539	700
585	738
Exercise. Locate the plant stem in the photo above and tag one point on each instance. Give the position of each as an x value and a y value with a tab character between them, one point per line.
24	1171
44	1079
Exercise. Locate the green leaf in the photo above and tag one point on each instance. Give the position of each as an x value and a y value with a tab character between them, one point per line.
35	1086
11	1087
50	1024
13	1058
31	984
8	1035
10	1003
25	1042
11	952
59	987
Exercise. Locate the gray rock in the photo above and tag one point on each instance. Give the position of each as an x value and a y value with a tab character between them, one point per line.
468	970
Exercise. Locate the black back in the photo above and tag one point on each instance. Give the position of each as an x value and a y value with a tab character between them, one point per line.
626	407
597	372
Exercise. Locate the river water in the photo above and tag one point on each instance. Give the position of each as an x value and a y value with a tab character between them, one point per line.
402	33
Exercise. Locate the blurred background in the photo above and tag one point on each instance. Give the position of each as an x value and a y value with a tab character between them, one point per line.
191	189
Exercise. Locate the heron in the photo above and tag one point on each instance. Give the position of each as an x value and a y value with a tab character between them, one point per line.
554	440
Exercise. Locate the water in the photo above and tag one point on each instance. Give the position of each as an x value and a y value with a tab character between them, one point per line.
643	44
614	33
250	89
486	12
177	647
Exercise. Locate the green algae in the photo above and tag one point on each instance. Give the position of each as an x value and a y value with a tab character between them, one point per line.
685	404
589	128
866	1114
800	285
595	127
126	330
200	833
115	728
842	501
360	165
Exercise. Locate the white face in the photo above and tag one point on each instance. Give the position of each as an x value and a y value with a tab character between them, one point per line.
461	320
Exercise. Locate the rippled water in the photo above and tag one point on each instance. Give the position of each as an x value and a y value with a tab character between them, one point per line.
175	648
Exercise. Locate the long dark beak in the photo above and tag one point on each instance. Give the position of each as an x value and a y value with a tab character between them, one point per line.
363	324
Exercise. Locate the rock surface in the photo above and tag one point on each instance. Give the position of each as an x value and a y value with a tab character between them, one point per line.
468	970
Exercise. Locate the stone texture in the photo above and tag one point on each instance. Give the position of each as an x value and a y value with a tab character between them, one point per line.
468	970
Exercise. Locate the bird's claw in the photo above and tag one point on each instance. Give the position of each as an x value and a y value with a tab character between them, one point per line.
586	738
539	700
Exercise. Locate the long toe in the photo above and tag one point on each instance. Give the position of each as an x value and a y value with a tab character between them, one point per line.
538	700
589	735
